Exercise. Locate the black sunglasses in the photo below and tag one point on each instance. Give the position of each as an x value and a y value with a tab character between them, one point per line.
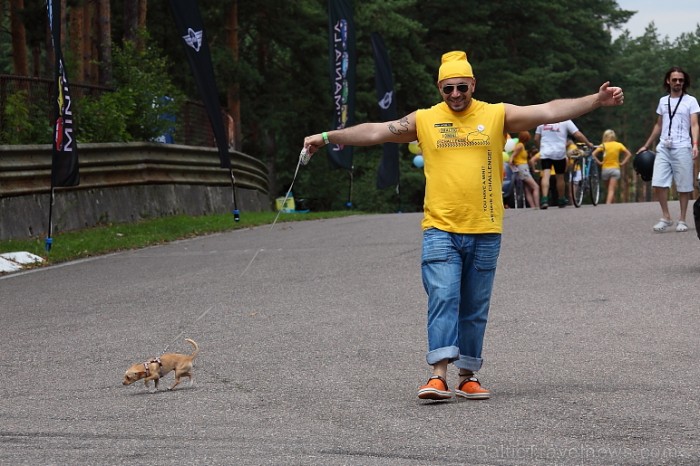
677	80
448	89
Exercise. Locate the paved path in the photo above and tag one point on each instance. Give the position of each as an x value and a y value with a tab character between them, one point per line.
312	353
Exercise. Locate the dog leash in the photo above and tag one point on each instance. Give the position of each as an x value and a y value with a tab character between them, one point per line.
304	158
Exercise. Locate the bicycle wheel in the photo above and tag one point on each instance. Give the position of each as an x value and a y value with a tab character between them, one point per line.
577	182
594	183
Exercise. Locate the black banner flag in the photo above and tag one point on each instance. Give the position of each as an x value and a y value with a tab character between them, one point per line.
388	173
64	162
343	57
190	27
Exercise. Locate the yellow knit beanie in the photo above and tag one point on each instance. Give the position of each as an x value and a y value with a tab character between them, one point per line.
455	65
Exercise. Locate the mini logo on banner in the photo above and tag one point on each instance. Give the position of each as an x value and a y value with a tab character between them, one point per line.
193	39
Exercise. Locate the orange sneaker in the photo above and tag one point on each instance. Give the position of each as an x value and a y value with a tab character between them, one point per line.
435	389
471	389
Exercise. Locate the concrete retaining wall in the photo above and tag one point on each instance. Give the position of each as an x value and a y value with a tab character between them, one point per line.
123	183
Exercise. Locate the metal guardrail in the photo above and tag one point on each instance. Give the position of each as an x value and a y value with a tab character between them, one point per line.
26	170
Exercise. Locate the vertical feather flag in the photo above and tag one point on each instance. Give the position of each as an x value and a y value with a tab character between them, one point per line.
388	173
64	150
64	163
343	57
190	28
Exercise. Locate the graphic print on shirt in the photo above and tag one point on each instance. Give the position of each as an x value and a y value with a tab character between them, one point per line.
453	136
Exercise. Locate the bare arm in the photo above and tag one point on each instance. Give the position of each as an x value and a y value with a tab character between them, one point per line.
653	136
367	134
695	133
628	156
581	138
516	151
527	117
595	153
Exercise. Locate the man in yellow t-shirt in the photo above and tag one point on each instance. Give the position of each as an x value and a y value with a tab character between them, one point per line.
462	140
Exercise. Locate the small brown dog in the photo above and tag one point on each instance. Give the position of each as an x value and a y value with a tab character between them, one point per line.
156	368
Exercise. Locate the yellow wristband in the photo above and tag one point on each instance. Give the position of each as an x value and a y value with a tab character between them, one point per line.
325	137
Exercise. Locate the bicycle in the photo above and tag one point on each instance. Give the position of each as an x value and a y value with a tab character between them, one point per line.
584	176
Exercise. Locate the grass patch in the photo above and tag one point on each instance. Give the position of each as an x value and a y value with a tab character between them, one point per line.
109	238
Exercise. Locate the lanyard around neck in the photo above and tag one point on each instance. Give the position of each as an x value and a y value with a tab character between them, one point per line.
671	115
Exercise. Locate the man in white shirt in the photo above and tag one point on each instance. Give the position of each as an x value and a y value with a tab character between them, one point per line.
677	128
551	138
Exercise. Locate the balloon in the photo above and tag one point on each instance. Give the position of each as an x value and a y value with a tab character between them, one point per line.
506	157
418	161
414	148
510	144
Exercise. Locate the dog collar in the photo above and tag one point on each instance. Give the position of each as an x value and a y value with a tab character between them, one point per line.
147	365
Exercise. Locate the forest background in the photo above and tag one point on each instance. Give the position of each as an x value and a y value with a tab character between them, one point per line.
273	75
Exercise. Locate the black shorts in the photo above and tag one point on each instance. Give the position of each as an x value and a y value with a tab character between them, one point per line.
559	165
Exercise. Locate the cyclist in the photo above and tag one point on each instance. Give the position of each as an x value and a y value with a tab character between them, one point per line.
551	140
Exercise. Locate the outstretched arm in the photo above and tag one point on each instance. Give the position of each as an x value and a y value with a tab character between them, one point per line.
366	134
524	118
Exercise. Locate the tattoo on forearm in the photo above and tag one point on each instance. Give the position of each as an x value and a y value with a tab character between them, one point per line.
401	128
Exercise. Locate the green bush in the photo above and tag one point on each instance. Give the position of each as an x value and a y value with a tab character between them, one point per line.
103	119
18	126
135	110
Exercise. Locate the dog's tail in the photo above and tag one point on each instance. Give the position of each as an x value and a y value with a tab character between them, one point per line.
194	345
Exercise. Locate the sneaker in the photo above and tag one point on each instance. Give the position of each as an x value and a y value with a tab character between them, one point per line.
471	389
563	202
435	389
663	225
681	226
544	202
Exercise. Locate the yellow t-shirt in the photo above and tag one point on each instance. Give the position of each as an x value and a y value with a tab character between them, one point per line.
463	163
611	153
520	157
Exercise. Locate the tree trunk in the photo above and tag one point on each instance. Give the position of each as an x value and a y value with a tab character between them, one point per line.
233	91
104	18
89	52
130	20
77	39
19	38
142	10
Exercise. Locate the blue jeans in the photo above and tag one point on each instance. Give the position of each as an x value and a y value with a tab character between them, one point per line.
458	272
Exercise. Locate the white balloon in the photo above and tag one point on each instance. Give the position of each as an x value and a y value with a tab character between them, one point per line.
510	145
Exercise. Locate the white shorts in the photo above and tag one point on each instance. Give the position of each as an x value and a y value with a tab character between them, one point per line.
524	171
576	176
608	173
673	164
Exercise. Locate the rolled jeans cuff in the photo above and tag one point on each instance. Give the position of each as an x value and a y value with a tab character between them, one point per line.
451	353
469	363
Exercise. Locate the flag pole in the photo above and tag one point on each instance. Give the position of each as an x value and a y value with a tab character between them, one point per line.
236	212
49	238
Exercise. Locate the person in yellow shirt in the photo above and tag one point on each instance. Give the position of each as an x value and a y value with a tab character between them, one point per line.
611	150
572	151
462	141
519	159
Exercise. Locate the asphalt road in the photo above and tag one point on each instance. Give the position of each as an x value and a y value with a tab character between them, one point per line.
313	347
